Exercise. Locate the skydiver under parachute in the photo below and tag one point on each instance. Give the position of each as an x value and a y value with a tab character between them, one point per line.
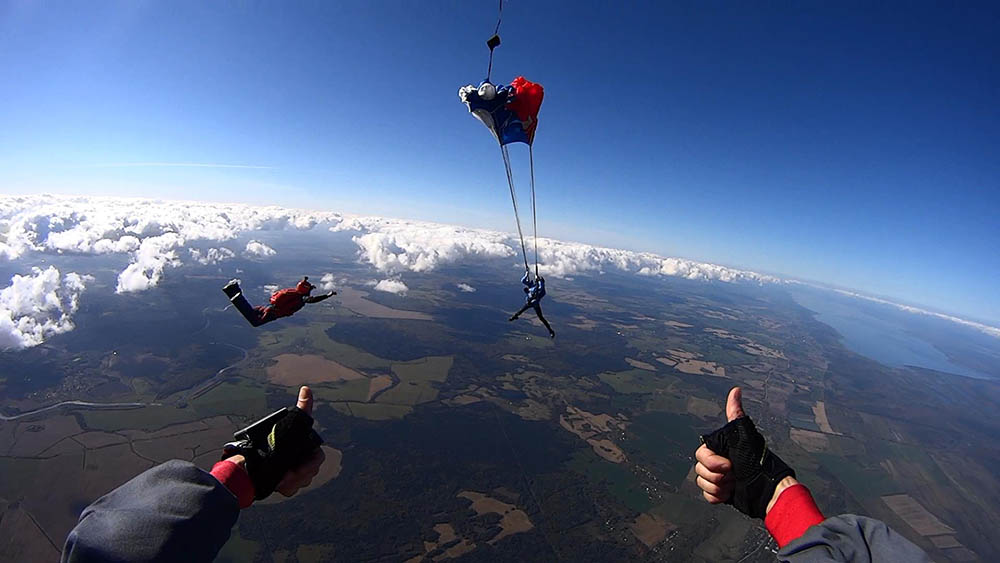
534	291
511	113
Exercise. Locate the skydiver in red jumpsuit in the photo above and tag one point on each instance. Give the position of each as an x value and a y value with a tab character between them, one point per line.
283	303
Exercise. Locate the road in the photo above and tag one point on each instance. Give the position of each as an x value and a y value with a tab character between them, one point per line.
85	404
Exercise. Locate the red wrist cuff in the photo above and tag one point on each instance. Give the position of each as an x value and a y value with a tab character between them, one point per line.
793	513
237	480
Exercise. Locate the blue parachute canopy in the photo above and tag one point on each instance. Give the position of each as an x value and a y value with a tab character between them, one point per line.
509	113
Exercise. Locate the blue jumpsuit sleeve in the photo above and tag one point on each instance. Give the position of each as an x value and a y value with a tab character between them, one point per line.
171	512
851	538
526	280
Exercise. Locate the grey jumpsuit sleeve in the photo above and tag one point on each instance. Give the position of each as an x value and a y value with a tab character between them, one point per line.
851	538
171	512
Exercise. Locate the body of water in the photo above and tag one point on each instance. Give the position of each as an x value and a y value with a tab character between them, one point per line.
878	331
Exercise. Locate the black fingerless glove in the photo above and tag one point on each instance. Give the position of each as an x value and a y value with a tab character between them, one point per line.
756	471
273	446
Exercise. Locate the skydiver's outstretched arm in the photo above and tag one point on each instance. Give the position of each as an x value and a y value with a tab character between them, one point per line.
538	311
318	298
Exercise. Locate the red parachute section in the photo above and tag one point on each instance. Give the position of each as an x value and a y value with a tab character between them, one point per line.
526	103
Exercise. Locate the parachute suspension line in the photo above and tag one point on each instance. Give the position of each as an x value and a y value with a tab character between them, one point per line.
513	200
496	30
534	216
494	42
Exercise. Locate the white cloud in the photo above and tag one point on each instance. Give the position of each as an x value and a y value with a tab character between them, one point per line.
392	286
211	256
271	288
259	249
395	246
148	262
466	288
154	232
109	225
328	282
126	243
37	306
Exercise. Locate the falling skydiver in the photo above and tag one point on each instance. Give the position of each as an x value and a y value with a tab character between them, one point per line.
534	291
283	303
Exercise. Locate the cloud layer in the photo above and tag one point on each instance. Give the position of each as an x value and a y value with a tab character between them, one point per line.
36	306
158	236
394	246
151	232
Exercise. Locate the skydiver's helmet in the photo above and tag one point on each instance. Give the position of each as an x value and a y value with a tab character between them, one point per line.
487	90
304	287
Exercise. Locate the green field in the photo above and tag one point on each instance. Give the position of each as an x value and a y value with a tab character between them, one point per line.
373	411
314	336
146	418
637	381
416	380
864	482
353	390
665	440
618	480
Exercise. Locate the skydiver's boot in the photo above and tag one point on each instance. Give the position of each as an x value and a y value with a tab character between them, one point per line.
513	318
552	333
232	289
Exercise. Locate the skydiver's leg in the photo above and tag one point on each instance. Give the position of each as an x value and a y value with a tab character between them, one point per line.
266	315
518	314
538	311
254	316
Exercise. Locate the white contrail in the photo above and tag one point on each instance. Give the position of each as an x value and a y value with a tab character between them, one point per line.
181	165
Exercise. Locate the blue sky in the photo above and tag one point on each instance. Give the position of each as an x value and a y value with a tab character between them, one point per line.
843	143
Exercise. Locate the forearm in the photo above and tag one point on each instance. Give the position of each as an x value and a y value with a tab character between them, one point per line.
791	511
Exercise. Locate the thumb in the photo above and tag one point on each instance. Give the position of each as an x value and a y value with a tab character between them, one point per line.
734	405
305	401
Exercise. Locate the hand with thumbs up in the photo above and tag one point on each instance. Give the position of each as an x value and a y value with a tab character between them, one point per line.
735	467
